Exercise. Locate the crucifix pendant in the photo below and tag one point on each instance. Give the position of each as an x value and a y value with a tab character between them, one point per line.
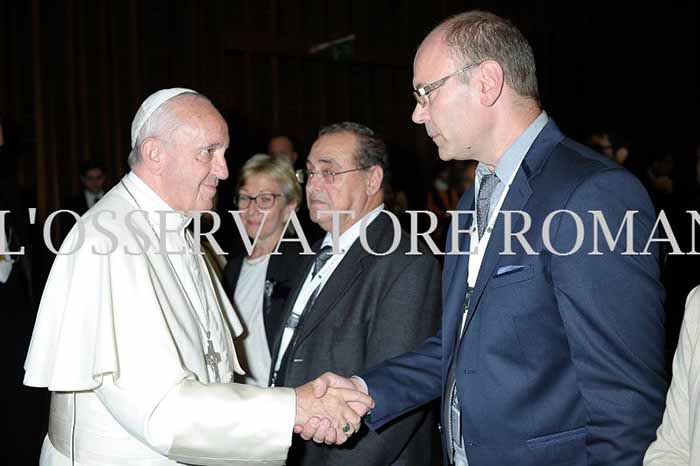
213	359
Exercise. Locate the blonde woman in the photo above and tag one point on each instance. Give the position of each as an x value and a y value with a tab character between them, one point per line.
259	283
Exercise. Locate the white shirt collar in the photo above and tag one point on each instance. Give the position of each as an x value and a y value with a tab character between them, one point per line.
348	238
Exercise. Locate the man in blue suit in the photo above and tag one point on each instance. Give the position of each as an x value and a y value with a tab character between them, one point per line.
552	343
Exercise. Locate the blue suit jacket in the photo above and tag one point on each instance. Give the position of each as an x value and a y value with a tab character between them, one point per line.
562	358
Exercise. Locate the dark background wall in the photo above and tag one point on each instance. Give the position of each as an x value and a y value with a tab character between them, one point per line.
73	73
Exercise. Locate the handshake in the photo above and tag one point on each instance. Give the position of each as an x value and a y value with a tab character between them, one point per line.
330	408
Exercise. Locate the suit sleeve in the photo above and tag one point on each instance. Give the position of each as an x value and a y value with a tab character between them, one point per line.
611	306
677	437
410	312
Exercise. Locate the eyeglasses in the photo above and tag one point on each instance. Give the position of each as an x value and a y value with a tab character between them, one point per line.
262	200
327	176
421	94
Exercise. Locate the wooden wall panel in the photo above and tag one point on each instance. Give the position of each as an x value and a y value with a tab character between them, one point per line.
71	144
290	22
314	20
39	111
361	94
291	74
75	71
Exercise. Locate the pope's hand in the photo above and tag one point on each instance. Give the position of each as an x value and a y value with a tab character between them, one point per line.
322	430
329	413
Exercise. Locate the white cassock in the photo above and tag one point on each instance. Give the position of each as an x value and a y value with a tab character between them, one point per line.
121	339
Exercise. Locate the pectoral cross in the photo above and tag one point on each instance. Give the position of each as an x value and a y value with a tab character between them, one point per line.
213	359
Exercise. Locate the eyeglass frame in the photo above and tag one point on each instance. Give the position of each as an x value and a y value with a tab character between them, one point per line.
252	199
421	93
307	174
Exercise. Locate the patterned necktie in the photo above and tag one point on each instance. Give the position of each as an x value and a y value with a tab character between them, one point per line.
323	255
278	377
483	205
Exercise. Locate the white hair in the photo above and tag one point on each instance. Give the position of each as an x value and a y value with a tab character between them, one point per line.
161	124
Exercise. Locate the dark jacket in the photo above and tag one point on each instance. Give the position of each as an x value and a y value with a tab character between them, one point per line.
371	308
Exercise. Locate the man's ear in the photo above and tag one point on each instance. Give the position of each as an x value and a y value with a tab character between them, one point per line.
375	176
490	78
152	156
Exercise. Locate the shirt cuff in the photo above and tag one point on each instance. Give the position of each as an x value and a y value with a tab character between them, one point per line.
364	385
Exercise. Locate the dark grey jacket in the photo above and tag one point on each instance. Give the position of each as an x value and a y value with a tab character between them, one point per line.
371	308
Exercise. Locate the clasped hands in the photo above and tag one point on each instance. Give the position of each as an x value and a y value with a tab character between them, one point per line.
330	408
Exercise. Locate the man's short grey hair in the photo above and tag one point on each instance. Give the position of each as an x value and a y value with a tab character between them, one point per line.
162	124
370	150
478	36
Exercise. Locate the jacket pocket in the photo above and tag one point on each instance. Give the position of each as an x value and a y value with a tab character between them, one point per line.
555	439
513	276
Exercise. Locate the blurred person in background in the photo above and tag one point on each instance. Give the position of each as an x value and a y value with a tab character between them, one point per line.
600	142
92	188
442	198
282	147
92	180
466	176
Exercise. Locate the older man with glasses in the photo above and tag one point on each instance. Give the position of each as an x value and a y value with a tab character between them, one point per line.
353	308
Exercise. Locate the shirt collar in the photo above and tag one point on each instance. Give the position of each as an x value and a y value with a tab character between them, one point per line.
149	201
347	239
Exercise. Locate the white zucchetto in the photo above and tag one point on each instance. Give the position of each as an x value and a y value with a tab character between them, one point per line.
150	105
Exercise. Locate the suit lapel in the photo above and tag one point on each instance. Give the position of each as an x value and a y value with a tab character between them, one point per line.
452	261
455	275
516	199
343	277
291	300
340	281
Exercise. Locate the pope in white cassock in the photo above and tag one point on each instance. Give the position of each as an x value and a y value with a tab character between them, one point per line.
134	345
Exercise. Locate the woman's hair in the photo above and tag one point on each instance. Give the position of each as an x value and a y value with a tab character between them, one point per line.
279	170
